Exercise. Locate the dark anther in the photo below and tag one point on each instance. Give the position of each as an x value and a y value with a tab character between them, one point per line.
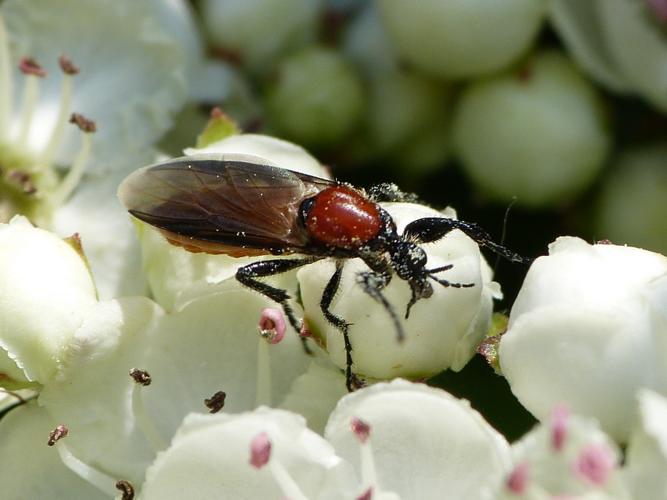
84	124
29	66
141	377
126	488
57	434
23	180
67	65
216	402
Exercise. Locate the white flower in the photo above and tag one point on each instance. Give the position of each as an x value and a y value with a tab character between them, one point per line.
129	86
212	344
442	331
567	456
589	328
422	442
45	291
646	456
251	455
389	441
597	34
31	469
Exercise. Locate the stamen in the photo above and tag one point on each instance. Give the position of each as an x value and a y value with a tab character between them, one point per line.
100	480
71	180
126	489
272	328
517	482
57	434
260	450
260	455
559	420
216	402
595	464
33	72
69	70
5	81
362	430
143	379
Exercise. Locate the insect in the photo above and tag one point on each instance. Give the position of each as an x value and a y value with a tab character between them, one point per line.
242	206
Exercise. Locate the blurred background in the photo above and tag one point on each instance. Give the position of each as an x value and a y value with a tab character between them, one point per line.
533	118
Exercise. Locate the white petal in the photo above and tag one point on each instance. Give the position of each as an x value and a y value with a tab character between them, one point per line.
93	393
107	235
209	346
209	458
281	153
425	441
647	451
315	393
130	84
30	468
45	290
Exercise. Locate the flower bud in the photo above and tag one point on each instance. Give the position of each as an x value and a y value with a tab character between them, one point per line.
589	328
442	331
258	31
45	290
316	99
535	134
597	33
455	39
633	200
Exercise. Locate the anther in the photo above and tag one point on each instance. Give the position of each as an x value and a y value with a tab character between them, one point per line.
216	402
360	429
141	377
29	66
57	434
126	489
559	420
517	481
23	180
260	450
272	325
67	66
85	124
595	463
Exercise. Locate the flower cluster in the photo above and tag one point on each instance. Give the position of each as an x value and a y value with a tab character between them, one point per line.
133	367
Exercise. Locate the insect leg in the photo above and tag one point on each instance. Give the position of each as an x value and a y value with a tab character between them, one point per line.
433	228
444	282
351	381
248	274
372	282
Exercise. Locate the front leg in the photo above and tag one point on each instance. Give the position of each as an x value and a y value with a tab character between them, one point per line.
247	276
372	282
351	381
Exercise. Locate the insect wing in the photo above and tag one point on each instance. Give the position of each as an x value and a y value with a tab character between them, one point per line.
232	203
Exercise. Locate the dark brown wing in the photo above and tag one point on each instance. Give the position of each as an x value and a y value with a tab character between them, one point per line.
230	204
